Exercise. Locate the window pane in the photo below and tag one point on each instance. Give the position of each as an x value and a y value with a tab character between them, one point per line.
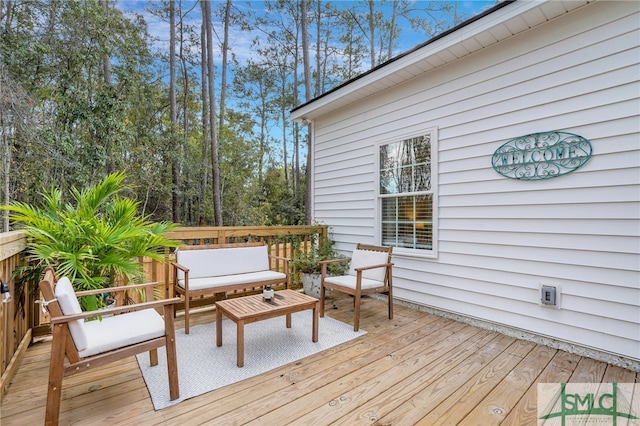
406	179
389	222
389	175
388	184
422	177
389	235
389	210
405	166
422	147
424	222
407	222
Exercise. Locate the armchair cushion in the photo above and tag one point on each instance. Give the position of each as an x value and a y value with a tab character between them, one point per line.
362	258
118	331
349	281
69	305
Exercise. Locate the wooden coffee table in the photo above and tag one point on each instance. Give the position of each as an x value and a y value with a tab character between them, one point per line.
248	309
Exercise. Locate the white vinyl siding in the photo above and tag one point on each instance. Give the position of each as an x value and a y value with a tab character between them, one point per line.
499	239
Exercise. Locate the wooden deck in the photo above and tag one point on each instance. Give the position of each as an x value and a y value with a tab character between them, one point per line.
414	369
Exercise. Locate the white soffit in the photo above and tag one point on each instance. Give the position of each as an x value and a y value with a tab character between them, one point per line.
493	28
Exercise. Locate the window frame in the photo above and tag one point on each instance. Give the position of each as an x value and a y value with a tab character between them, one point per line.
397	250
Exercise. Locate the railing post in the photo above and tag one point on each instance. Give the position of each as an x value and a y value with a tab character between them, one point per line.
15	330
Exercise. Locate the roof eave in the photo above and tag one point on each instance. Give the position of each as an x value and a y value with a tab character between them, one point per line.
363	85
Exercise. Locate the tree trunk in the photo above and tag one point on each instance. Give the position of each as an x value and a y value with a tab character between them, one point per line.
106	70
205	121
372	34
6	166
307	96
225	48
392	28
217	204
175	202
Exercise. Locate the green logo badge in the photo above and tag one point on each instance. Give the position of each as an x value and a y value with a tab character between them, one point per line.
588	404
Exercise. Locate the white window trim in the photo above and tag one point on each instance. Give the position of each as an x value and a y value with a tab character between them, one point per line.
403	251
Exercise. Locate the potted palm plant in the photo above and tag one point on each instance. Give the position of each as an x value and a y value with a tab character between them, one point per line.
96	238
308	263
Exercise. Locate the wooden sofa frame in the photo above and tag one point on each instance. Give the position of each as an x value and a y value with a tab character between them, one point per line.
189	294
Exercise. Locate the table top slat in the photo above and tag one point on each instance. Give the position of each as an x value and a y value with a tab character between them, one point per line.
254	306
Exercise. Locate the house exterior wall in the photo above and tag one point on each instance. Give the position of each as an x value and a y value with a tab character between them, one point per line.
499	239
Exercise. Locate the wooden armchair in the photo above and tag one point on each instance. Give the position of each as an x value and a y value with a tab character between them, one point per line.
127	331
370	271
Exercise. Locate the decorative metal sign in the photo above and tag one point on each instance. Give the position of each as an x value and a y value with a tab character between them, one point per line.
541	155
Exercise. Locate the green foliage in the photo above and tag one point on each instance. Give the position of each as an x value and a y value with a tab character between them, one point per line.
99	99
96	240
308	261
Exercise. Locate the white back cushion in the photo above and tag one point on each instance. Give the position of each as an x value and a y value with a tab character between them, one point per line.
363	258
69	305
222	261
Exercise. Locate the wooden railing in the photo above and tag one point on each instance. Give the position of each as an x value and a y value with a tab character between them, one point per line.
16	316
20	320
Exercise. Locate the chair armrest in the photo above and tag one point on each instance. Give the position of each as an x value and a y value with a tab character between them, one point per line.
115	289
382	265
324	264
179	266
118	310
286	260
336	260
271	256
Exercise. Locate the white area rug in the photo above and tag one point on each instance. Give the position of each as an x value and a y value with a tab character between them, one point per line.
203	367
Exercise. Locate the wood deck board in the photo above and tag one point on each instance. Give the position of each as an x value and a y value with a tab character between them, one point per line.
501	400
339	397
334	368
384	395
414	369
558	370
414	408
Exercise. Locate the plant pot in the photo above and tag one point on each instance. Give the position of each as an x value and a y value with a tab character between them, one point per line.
109	303
311	284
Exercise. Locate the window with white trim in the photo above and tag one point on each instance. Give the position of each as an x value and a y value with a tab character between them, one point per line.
406	191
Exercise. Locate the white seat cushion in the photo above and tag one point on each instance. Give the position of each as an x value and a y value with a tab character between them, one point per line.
249	278
118	331
69	305
362	258
349	281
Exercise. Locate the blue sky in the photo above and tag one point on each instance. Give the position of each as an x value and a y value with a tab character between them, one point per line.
241	39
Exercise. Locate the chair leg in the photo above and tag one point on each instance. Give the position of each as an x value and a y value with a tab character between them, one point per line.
356	312
172	356
56	372
390	293
322	290
186	313
153	357
175	311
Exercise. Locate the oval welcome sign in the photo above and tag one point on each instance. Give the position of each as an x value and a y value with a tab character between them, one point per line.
541	155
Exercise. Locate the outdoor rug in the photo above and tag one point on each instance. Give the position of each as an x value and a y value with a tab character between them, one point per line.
203	367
